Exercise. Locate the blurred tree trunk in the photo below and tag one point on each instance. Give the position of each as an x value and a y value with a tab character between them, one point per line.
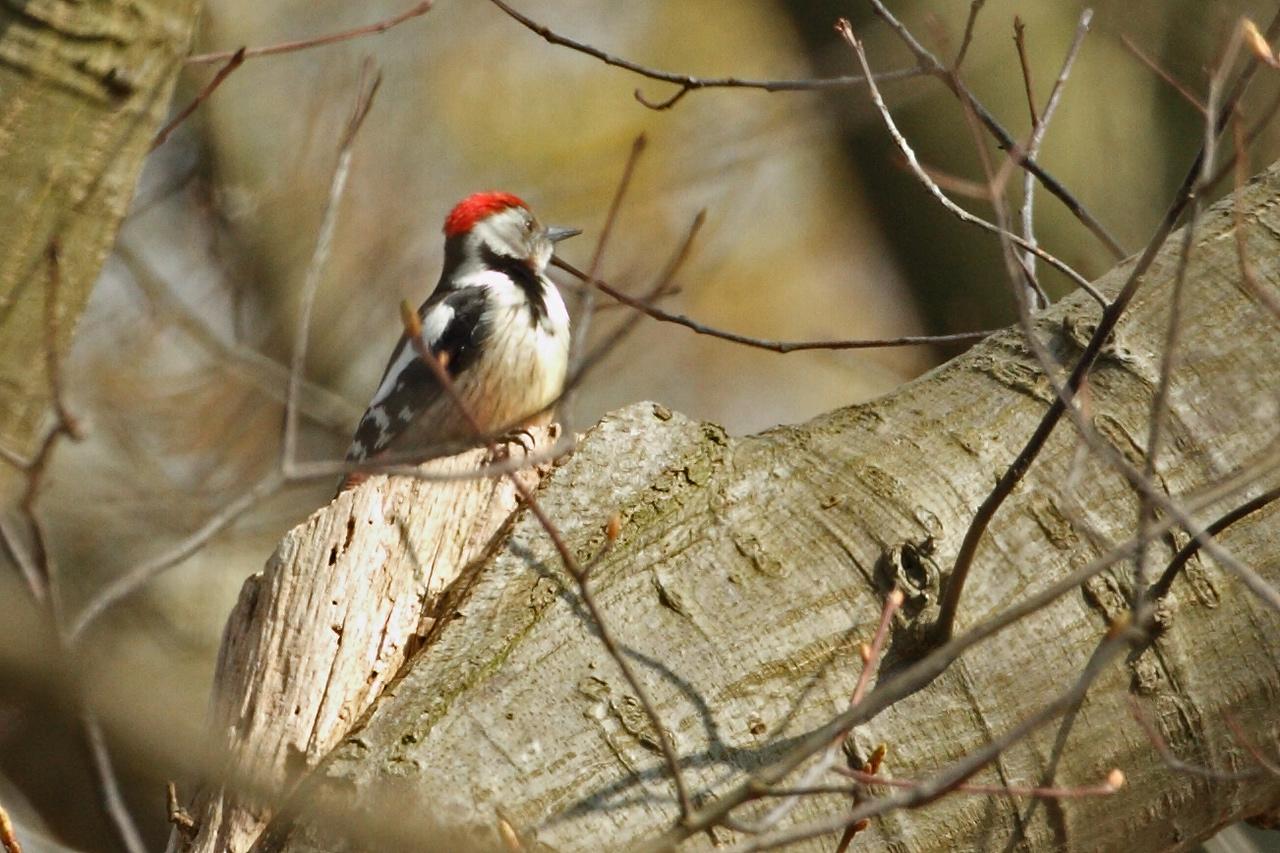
83	88
748	571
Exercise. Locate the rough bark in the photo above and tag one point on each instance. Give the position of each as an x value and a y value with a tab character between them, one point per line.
749	569
83	87
319	634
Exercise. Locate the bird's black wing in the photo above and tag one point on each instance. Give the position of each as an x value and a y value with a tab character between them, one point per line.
453	326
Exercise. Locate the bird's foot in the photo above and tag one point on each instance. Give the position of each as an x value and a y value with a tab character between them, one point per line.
503	445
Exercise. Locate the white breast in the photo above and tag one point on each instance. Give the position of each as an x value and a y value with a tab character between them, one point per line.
523	364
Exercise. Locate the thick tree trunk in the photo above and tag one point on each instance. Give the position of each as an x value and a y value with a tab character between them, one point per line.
83	87
749	569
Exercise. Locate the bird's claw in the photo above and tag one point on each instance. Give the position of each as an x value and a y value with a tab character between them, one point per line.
521	437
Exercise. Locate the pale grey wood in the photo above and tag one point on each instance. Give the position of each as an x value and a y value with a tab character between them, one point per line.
749	569
325	627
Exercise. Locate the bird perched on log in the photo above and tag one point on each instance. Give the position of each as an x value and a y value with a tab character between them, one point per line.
496	324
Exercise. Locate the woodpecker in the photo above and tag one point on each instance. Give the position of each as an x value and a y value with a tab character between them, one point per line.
497	324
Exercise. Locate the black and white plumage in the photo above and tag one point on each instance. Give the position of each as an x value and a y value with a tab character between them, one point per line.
496	322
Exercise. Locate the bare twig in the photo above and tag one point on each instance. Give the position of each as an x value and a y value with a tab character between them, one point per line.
137	577
975	6
1005	140
112	801
1020	45
1162	586
870	655
37	566
179	817
764	343
586	295
1255	130
1264	762
1113	783
382	26
1155	68
236	60
1110	317
316	402
367	89
1173	330
31	573
1248	276
1039	126
662	287
913	163
1177	764
949	778
686	82
947	181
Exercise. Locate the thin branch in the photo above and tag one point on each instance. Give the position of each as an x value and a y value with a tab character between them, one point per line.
1177	764
1162	586
686	82
179	818
1168	358
948	779
870	655
236	60
765	343
975	6
367	89
1020	45
1040	125
585	306
1263	761
146	571
1255	130
947	181
1248	276
913	163
112	801
1003	138
382	26
1169	80
31	573
1113	783
1106	325
317	403
661	288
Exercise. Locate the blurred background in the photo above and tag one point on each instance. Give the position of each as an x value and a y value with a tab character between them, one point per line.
814	230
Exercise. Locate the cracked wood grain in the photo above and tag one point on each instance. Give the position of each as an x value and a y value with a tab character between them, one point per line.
318	635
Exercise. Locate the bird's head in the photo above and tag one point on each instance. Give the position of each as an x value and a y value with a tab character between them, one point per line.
501	223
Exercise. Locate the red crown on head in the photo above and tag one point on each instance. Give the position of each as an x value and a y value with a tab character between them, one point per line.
475	207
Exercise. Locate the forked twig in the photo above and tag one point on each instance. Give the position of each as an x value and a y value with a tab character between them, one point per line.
687	82
1039	126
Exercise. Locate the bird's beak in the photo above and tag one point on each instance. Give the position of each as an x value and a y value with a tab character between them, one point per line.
555	235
